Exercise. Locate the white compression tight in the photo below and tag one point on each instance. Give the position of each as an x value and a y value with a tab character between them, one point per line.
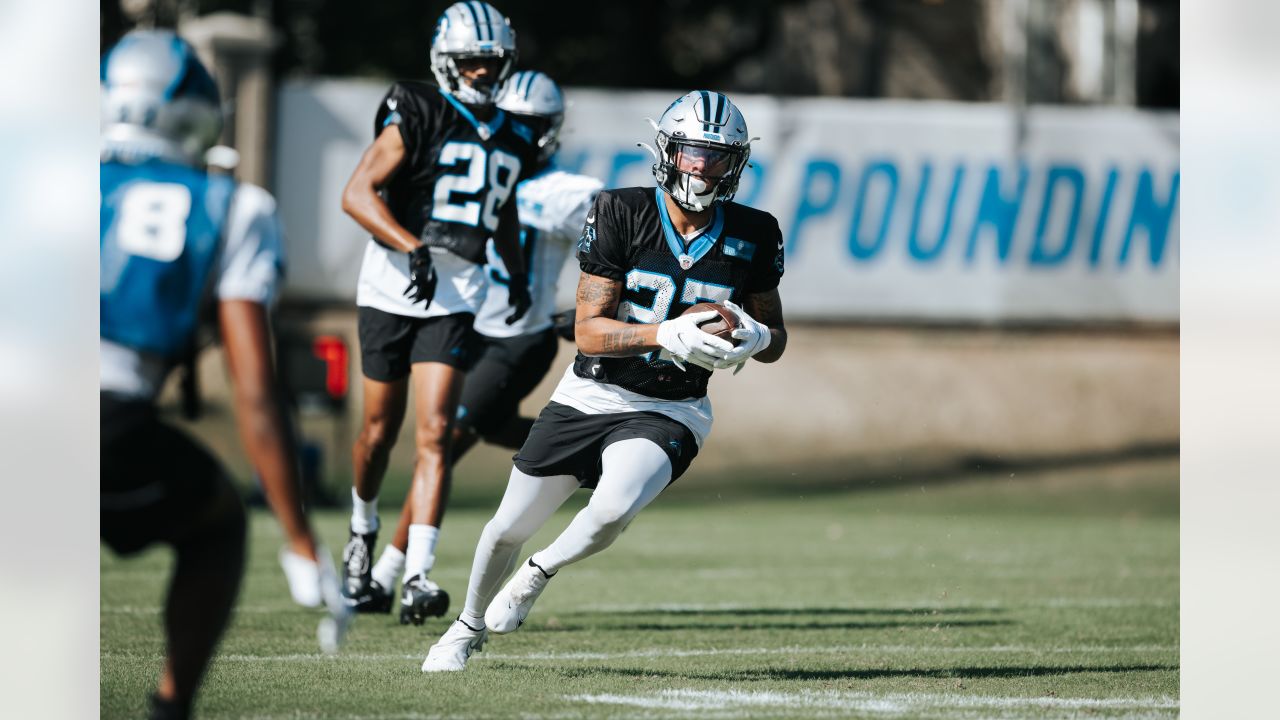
634	472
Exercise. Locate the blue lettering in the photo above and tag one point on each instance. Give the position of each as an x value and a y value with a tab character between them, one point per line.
857	248
1074	179
1153	217
914	242
808	207
571	162
621	161
999	212
1104	212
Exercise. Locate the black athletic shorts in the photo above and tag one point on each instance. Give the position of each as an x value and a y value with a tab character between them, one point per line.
156	483
507	371
565	441
390	344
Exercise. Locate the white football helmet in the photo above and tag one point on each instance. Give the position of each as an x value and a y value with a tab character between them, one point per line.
702	148
472	29
157	99
537	101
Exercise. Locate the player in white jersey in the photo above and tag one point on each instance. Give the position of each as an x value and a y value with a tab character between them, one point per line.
177	242
632	412
553	206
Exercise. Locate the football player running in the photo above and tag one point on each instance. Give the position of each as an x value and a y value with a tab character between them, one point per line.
437	182
632	411
178	246
515	357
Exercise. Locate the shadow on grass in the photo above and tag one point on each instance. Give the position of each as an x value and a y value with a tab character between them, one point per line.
953	673
788	612
752	625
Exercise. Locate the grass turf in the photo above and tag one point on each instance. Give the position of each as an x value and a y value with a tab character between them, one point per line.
1049	594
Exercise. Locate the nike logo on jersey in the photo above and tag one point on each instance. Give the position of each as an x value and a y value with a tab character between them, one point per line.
391	103
591	218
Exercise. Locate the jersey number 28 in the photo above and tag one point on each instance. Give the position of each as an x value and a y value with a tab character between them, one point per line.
481	170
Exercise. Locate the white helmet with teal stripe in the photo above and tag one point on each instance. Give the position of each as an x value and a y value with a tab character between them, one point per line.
703	147
157	99
535	99
467	31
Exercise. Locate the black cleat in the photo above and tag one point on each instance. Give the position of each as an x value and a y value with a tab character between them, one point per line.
420	599
357	564
376	600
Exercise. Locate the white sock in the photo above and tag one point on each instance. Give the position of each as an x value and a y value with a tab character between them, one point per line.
421	554
390	564
364	514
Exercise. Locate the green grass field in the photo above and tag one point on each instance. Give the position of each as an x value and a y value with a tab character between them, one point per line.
1046	594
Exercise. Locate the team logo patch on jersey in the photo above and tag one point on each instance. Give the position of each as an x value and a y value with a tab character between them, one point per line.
733	247
588	237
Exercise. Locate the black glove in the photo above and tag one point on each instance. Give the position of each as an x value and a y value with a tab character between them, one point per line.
422	276
518	297
565	323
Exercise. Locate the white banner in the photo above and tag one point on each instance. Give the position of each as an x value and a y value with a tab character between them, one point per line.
891	210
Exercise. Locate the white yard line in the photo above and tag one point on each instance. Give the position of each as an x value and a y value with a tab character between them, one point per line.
923	606
889	703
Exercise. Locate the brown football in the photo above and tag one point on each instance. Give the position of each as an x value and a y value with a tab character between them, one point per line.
722	326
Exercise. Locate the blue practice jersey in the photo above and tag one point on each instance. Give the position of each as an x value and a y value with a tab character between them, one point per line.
174	238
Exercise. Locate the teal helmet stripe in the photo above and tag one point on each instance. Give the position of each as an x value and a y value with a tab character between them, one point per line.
475	18
706	110
488	19
720	102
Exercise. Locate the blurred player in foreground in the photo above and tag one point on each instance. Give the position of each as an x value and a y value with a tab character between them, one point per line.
178	245
631	413
437	182
515	356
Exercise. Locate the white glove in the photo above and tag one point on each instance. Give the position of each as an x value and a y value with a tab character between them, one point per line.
752	336
686	342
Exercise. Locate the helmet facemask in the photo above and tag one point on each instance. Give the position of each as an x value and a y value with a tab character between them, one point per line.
481	91
698	174
471	31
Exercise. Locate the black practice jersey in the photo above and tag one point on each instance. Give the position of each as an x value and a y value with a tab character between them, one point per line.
458	173
629	237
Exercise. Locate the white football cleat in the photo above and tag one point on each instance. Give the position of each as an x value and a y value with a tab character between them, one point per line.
451	651
513	603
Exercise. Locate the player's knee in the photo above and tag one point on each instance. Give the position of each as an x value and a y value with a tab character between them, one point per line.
220	540
502	534
432	434
377	435
610	513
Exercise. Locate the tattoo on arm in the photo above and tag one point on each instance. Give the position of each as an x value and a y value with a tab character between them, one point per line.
597	297
766	307
623	341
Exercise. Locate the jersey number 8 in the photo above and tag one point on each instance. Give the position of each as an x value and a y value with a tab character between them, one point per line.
481	170
152	220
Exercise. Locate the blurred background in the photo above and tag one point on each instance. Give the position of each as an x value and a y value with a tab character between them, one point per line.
980	200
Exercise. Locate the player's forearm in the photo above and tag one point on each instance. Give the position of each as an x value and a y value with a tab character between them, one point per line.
366	208
271	452
604	337
777	346
506	242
